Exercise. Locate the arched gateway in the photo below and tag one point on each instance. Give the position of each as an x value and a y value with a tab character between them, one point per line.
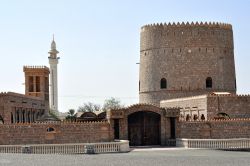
144	128
144	124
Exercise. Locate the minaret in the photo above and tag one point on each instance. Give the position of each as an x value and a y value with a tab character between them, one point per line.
53	61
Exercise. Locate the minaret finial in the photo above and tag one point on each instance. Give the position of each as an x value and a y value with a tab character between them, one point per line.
53	44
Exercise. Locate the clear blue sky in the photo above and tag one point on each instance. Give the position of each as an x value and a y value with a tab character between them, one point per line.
99	42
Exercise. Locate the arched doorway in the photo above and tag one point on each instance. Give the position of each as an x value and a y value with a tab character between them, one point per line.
144	128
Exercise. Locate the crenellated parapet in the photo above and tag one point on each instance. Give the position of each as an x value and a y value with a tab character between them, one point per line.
35	68
217	120
228	95
189	25
51	123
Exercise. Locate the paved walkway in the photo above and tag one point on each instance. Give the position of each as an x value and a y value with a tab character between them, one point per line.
153	148
138	157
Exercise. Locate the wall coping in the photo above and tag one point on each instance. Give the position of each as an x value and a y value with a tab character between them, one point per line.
3	94
217	120
56	123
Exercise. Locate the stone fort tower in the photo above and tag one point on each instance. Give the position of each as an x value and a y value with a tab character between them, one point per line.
185	59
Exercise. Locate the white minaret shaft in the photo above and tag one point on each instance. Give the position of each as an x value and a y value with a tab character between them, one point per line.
53	61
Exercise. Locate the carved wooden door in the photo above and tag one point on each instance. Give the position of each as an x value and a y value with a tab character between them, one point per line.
144	128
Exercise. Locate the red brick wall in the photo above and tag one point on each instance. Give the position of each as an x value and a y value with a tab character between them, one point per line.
219	129
36	133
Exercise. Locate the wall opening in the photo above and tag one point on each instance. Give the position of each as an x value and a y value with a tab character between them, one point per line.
1	120
50	129
38	89
139	86
12	118
23	116
203	117
172	128
46	84
163	83
195	117
209	82
116	129
222	115
31	84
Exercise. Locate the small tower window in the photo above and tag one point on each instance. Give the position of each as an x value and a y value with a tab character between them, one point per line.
209	82
163	83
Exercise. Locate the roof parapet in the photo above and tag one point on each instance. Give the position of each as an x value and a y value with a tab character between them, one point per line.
192	24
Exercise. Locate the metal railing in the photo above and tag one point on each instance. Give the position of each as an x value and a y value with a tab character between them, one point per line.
82	148
236	143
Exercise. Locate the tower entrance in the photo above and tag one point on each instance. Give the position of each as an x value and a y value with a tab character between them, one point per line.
144	128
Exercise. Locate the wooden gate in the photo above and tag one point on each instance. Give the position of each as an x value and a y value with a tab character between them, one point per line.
144	128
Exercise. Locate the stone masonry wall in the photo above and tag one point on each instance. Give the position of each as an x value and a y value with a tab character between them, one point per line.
11	103
36	133
236	106
185	55
192	106
220	129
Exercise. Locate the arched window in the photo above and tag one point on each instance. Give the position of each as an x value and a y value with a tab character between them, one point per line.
222	115
209	82
195	117
202	117
163	83
50	129
187	117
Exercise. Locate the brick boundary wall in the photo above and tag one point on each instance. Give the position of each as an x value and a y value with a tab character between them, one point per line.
64	132
214	129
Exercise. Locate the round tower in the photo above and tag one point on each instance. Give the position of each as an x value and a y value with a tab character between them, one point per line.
185	59
53	61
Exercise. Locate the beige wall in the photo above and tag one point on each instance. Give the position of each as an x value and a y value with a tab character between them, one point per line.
196	105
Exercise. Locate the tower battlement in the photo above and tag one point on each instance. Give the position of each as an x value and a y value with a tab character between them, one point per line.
188	25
